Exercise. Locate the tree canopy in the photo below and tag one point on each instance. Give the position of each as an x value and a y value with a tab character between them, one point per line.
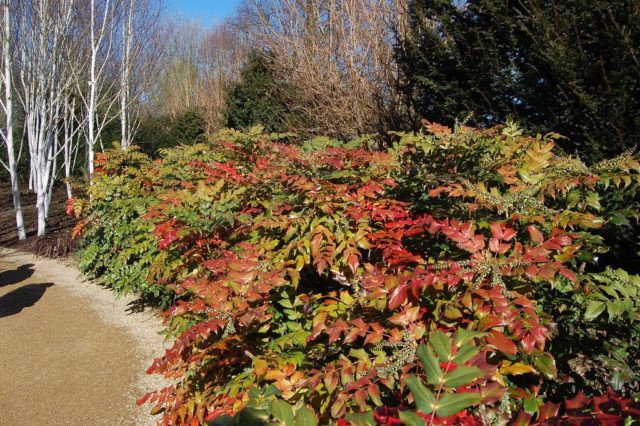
570	66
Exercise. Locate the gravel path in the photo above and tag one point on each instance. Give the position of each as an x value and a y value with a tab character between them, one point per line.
70	352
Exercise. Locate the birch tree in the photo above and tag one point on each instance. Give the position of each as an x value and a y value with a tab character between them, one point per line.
125	74
71	127
99	97
45	43
7	106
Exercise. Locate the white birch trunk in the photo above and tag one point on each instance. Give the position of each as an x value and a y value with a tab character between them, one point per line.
70	143
97	36
127	35
12	163
45	80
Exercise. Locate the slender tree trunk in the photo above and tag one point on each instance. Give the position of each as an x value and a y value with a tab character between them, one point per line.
8	95
68	147
91	137
127	34
96	41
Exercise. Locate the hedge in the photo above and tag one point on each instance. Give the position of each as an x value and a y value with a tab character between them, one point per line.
452	279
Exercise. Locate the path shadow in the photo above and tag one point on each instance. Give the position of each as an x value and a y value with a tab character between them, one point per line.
14	276
16	300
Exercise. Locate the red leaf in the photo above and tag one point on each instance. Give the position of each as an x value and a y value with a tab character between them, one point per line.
528	343
336	329
315	244
508	234
488	322
579	401
496	230
501	342
567	273
397	297
547	272
532	270
535	234
143	399
447	366
353	262
375	335
523	419
361	398
494	245
548	410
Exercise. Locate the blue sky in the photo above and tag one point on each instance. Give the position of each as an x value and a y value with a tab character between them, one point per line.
205	11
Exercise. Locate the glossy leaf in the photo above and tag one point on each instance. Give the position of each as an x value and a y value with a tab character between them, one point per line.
423	397
441	344
461	376
431	365
450	404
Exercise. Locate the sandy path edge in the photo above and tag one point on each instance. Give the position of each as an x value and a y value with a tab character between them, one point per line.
143	327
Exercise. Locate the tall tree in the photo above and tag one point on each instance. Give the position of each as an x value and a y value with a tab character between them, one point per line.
569	66
97	86
6	133
198	65
338	54
258	97
45	79
223	54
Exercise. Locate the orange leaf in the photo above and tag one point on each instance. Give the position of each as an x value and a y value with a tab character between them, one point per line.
498	340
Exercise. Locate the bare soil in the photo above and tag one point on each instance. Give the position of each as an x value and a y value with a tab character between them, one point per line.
56	243
71	354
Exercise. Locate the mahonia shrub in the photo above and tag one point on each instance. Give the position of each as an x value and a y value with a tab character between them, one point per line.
119	246
450	280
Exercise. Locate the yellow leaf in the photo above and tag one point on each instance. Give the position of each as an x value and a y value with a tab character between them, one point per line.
452	313
516	369
260	366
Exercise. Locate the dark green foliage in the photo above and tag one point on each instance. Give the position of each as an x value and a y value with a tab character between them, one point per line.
571	66
159	132
257	98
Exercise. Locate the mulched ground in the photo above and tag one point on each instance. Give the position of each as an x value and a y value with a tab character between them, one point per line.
57	241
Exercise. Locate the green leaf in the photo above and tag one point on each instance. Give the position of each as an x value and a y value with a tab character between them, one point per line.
464	354
270	390
282	410
546	365
463	336
441	344
462	376
524	176
286	303
617	380
305	417
594	309
530	405
430	363
619	220
423	396
409	418
452	403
